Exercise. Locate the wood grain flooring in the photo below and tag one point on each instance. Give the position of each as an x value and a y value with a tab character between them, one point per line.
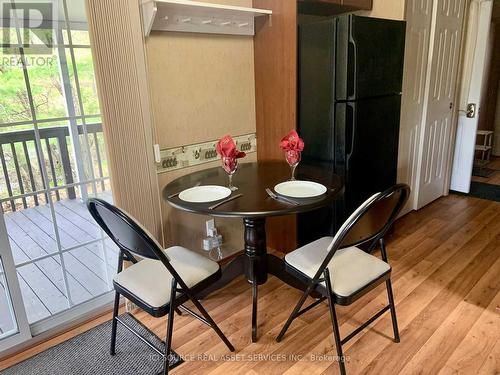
446	280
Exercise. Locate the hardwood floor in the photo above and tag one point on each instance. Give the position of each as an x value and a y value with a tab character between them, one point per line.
446	267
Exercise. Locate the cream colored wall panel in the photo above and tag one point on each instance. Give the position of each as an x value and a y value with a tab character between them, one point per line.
390	9
202	86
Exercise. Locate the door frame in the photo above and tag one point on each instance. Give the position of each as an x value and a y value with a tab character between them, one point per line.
473	32
14	290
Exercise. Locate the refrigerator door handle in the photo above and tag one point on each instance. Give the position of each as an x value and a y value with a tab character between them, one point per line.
351	94
350	129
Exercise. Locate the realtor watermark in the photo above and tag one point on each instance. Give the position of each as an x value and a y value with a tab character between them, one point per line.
13	61
28	27
240	357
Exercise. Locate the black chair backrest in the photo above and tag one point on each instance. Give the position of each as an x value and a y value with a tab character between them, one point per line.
370	222
125	231
376	217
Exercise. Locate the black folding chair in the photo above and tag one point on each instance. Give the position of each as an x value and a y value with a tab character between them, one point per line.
159	283
340	271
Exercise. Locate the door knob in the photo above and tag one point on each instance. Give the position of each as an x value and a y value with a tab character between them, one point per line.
471	110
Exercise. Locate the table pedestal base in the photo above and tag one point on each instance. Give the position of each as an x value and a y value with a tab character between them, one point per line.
255	264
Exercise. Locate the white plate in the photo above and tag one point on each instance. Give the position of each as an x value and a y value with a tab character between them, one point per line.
202	194
300	189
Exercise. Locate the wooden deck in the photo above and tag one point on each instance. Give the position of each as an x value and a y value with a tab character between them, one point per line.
89	269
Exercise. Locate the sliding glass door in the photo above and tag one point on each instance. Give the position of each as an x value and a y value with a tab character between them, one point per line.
14	328
52	160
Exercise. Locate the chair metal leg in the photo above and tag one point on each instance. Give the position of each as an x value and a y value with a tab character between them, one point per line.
114	324
335	323
214	326
336	335
254	310
393	310
170	328
294	313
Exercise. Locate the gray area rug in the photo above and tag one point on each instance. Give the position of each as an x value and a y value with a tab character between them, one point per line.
88	353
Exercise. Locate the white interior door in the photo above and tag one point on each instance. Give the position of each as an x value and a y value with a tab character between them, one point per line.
472	79
418	29
441	84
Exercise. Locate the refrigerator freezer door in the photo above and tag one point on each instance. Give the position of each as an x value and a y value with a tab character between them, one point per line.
370	55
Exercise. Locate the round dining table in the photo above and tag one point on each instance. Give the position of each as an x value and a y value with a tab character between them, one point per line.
254	205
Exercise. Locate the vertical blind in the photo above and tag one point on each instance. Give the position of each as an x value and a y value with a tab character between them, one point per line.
120	65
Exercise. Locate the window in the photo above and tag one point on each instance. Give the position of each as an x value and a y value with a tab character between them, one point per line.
52	159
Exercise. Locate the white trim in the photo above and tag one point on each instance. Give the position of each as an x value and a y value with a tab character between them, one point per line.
199	17
43	121
64	321
51	255
76	311
50	190
14	293
478	26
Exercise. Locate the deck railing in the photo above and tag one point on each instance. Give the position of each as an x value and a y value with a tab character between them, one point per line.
18	152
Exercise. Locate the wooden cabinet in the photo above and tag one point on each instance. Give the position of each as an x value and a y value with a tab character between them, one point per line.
357	4
330	7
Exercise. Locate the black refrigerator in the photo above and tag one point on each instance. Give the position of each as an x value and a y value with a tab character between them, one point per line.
350	80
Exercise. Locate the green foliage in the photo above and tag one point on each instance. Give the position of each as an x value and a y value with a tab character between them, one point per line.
46	86
44	76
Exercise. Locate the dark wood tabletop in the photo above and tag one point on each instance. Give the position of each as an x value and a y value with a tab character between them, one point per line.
252	179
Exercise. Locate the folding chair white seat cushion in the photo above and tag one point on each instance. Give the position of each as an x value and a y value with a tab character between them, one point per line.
150	280
351	269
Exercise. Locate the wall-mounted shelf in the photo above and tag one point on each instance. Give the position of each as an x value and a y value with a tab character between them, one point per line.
198	17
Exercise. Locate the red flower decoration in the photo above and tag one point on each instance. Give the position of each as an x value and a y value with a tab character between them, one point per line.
227	148
292	142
